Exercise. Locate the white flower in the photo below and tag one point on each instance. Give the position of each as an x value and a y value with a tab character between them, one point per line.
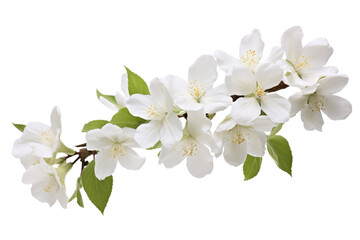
198	93
43	139
192	146
120	98
26	154
240	140
304	64
255	98
47	185
158	107
114	145
320	98
250	54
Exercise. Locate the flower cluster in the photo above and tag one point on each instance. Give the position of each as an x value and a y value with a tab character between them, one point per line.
175	116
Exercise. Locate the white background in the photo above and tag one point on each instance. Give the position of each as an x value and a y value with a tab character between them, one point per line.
60	52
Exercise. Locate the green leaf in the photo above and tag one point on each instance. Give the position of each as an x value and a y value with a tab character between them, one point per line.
123	118
77	193
65	149
110	98
251	166
79	199
276	129
20	127
97	191
156	146
95	124
279	149
136	84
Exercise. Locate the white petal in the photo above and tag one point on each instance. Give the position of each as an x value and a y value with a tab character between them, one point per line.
176	86
124	85
62	198
120	100
241	81
217	99
189	103
268	75
293	79
38	192
108	104
204	71
161	95
227	124
148	134
310	89
332	84
276	107
171	157
198	123
337	108
104	164
256	143
252	42
21	149
56	118
127	137
298	102
312	119
219	143
116	134
201	163
235	154
263	123
138	105
29	161
33	130
34	175
226	62
291	43
130	159
318	51
311	76
275	55
171	130
96	140
245	110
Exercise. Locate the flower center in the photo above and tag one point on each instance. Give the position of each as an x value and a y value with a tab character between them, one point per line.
117	151
47	138
189	149
316	103
154	111
304	63
238	134
259	92
250	59
197	90
50	186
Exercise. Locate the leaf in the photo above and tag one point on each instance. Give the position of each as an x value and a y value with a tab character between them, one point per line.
79	199
77	193
276	129
110	98
136	84
279	149
65	149
95	124
123	118
251	166
156	146
20	127
97	191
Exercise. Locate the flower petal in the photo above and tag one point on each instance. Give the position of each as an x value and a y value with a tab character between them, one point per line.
312	119
204	71
37	190
241	81
62	198
337	108
298	102
56	118
124	85
311	76
332	84
252	42
138	105
161	95
226	62
120	100
268	75
318	51
171	157
217	99
148	134
276	107
171	130
96	140
199	128
275	55
201	163
235	154
256	143
20	149
104	164
35	174
291	43
108	104
263	123
130	159
245	110
227	124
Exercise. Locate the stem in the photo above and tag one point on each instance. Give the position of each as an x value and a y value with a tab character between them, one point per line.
82	154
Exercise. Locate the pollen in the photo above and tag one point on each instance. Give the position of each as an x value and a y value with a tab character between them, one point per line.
260	92
316	103
117	151
189	149
238	135
154	111
49	187
250	59
47	138
304	63
197	90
